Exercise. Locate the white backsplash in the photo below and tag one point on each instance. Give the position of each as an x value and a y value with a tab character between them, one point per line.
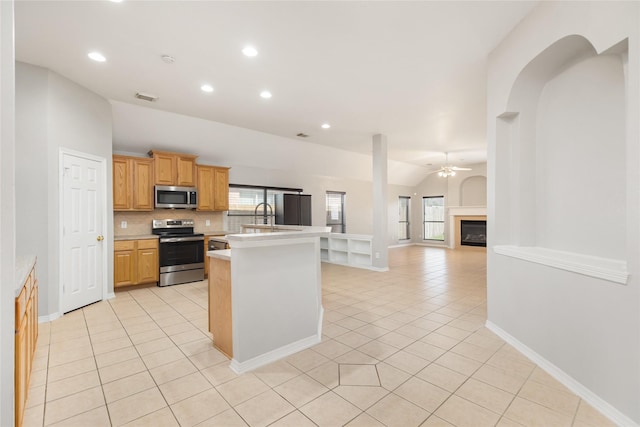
139	223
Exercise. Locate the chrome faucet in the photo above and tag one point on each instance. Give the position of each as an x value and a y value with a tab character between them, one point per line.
255	213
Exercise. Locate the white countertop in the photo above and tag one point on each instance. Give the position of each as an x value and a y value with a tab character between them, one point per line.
281	232
136	237
224	254
24	264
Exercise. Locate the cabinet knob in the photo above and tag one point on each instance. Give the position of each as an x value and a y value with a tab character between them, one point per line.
100	238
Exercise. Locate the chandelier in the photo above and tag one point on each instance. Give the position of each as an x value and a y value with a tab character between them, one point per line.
448	170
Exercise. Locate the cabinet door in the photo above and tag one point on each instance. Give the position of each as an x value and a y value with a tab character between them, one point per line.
205	188
221	189
220	311
124	268
186	171
34	316
20	378
121	184
165	169
142	184
147	266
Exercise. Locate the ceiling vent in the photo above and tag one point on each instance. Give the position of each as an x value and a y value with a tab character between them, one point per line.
302	135
146	97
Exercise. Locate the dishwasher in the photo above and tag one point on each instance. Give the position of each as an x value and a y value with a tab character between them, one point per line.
217	244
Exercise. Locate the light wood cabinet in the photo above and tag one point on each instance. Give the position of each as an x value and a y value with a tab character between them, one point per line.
213	188
122	186
220	305
124	263
221	189
132	183
26	336
205	188
174	168
135	262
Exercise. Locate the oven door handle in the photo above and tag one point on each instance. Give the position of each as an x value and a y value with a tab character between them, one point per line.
181	239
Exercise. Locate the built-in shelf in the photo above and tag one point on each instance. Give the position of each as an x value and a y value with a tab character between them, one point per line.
612	270
347	249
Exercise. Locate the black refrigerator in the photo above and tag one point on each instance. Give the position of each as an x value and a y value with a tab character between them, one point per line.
293	209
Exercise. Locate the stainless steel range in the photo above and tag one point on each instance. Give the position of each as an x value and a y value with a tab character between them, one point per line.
181	251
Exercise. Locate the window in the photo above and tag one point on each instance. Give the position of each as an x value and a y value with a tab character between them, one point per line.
433	222
252	204
335	211
403	218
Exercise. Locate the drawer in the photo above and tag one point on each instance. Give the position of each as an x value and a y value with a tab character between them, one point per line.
124	245
148	244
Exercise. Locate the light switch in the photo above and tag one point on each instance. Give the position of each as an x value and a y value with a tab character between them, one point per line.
207	223
123	224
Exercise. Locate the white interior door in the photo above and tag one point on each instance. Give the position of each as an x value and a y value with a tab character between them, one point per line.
82	235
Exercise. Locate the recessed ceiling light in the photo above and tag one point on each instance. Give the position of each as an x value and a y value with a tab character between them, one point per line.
206	88
265	94
97	56
250	51
326	126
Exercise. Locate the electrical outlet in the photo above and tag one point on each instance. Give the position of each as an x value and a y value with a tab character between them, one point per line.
207	223
123	224
377	255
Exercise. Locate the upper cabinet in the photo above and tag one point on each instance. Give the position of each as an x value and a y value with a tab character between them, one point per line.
221	189
174	168
213	188
132	183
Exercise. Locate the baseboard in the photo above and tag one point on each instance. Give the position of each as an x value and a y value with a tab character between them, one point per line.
272	356
433	245
365	267
401	245
48	318
565	379
110	295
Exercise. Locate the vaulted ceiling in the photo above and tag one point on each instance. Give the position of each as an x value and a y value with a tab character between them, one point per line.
414	71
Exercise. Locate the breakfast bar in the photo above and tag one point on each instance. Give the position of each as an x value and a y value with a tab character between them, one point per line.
265	296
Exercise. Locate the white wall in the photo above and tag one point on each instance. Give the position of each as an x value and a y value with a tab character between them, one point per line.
580	160
451	189
52	113
7	213
556	126
137	128
473	191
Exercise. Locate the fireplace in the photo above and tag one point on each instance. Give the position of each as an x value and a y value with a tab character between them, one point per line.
473	233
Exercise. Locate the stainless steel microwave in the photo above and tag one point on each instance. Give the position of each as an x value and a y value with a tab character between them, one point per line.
170	197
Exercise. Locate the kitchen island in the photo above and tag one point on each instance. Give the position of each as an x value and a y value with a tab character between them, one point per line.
265	295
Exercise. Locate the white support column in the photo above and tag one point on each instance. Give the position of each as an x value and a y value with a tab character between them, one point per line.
7	212
380	203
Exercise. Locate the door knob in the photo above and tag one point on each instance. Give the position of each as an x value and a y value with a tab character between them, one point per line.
100	238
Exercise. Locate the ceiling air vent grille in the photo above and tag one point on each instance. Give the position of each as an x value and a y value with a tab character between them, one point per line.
146	97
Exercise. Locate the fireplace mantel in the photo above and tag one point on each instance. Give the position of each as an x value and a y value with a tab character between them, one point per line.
456	213
467	211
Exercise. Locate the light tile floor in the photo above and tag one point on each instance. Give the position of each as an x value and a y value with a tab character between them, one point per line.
401	348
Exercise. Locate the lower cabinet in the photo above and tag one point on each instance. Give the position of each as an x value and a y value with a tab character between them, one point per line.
220	305
135	262
26	335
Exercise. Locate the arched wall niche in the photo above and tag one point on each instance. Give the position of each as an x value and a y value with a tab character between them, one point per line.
560	152
473	191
